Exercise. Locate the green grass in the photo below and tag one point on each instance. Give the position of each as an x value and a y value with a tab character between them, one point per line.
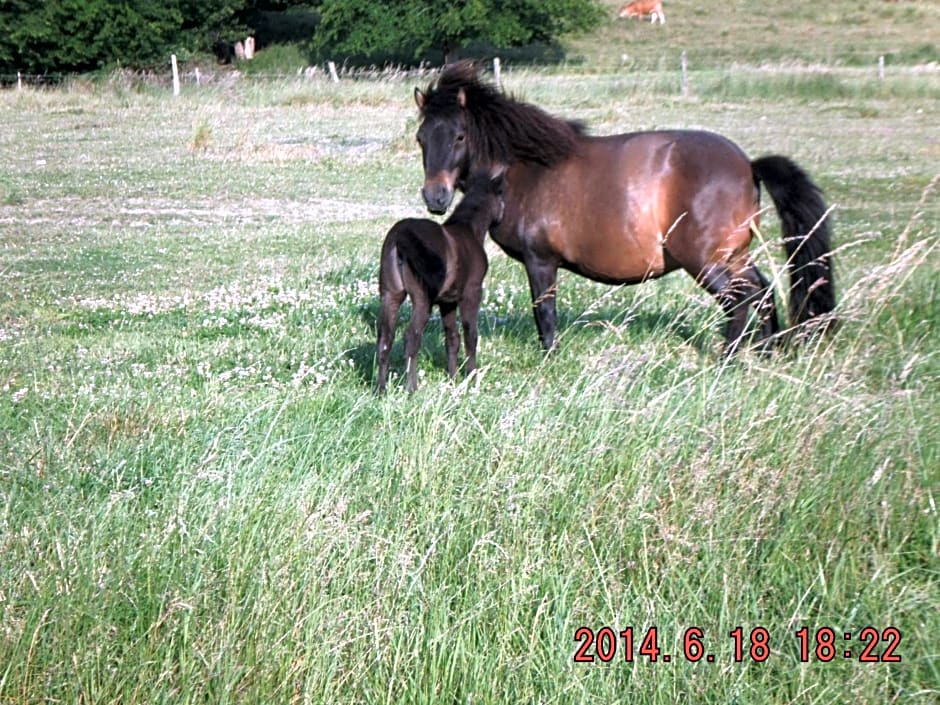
201	500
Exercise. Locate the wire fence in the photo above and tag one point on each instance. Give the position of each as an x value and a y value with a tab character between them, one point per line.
220	75
231	75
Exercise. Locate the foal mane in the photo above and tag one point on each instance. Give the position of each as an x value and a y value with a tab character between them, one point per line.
501	128
469	210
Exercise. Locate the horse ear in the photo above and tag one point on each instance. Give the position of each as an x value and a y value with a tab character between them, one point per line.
420	99
462	98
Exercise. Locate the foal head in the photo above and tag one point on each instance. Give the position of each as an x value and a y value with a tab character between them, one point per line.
482	206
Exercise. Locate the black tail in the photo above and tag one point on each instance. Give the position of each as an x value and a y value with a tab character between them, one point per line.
423	261
805	224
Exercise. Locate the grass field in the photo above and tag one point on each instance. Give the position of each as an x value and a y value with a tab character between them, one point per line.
201	500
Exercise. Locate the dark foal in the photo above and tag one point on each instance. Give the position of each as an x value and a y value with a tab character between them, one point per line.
438	264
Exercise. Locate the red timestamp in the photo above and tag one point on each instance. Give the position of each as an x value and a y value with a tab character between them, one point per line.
825	644
630	645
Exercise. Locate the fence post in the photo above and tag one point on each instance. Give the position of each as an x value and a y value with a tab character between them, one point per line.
198	76
333	75
881	68
496	71
19	81
176	75
685	75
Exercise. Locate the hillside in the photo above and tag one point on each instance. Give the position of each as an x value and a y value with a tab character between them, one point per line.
714	34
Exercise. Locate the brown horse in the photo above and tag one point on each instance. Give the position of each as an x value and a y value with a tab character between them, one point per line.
626	208
438	264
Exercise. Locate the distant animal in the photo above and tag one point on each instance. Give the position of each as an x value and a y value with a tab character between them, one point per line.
642	8
438	264
224	50
626	208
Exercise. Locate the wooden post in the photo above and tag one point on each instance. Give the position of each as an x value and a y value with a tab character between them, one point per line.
496	71
881	68
176	75
685	75
19	81
198	76
333	74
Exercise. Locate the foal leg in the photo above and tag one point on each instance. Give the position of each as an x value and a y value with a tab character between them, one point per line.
543	277
388	317
469	317
451	336
421	311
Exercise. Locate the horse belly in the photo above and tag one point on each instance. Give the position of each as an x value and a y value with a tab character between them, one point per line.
616	238
602	240
621	255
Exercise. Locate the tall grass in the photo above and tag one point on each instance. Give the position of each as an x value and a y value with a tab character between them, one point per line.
202	499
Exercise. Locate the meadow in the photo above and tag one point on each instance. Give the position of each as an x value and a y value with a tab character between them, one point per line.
202	500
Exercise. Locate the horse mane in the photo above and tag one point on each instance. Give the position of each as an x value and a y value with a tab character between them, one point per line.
501	129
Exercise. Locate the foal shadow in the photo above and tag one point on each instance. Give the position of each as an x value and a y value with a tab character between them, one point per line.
519	326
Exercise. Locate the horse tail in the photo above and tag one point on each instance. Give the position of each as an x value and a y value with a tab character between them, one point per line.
804	221
426	264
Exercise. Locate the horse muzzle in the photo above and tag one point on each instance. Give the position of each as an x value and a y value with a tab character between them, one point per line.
438	196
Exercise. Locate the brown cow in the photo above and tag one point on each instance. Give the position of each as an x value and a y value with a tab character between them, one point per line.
641	8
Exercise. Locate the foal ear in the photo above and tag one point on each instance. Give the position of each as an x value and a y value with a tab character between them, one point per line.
420	99
498	179
462	98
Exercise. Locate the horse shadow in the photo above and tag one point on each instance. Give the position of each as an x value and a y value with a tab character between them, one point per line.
518	326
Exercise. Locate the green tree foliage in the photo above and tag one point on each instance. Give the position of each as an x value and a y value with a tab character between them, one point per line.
407	29
81	35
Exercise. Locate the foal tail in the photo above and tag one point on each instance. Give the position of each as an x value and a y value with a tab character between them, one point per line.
805	223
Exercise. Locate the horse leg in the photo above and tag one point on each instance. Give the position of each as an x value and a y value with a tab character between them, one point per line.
469	316
766	307
420	312
451	336
388	317
736	292
543	275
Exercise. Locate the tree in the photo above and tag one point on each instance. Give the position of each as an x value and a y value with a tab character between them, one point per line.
82	35
407	29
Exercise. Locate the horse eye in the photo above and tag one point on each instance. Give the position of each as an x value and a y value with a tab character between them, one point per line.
460	138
